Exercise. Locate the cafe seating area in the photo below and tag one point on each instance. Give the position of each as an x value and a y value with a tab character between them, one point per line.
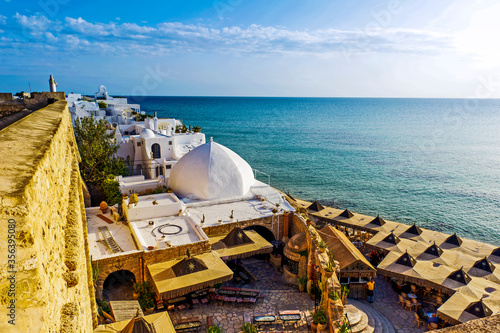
423	301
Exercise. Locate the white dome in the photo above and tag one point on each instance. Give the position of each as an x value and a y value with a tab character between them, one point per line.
211	171
147	133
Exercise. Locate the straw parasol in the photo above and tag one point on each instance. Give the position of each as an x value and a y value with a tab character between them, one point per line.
157	323
176	277
240	244
316	206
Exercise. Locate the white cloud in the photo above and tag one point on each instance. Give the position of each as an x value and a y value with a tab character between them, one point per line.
3	19
177	37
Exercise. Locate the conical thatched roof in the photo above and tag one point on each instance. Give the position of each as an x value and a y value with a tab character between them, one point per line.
236	237
378	221
479	309
414	230
316	206
391	238
406	260
484	265
460	276
188	266
454	240
347	214
137	325
434	250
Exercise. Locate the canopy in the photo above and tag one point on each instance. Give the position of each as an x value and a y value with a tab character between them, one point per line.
169	285
352	262
159	322
234	246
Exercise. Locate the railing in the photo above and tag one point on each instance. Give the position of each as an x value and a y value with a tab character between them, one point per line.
255	172
146	165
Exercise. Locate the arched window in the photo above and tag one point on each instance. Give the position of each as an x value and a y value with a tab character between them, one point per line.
155	149
139	169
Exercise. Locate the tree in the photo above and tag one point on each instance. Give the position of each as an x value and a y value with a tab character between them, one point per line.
102	105
97	149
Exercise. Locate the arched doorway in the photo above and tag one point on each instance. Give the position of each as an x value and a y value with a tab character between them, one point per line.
263	231
155	149
119	285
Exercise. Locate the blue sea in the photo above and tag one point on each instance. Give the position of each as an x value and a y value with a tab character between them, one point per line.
435	162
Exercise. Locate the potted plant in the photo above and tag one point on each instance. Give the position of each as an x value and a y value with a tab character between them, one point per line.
322	246
146	296
319	318
344	292
329	269
214	329
344	327
248	328
302	283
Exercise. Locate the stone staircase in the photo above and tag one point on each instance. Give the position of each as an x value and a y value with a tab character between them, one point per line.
365	319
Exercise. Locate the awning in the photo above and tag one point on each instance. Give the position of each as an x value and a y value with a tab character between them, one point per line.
159	321
168	284
257	245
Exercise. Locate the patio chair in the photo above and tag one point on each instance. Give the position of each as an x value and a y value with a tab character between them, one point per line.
427	291
408	304
414	289
439	301
401	300
415	303
418	320
404	295
432	326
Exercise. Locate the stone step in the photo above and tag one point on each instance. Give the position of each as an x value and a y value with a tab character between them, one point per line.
363	325
377	323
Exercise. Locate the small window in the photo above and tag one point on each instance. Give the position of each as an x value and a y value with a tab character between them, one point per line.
138	144
168	166
170	143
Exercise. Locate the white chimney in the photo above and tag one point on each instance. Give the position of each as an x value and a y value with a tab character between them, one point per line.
52	84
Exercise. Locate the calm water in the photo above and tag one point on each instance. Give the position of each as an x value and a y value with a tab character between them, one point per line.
435	162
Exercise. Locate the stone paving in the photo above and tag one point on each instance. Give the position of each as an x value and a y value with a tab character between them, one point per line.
386	303
277	296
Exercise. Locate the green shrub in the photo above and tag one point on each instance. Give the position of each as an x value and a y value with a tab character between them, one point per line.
102	105
111	189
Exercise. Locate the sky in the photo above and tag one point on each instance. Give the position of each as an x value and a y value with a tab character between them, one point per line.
317	48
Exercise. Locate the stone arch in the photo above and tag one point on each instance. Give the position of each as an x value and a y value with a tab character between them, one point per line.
263	231
132	263
122	279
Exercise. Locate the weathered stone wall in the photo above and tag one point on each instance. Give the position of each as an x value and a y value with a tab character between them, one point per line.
41	190
35	101
273	223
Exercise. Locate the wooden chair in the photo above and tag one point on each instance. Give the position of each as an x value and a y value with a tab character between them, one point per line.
408	304
432	326
427	291
404	295
414	289
401	300
439	301
418	320
415	303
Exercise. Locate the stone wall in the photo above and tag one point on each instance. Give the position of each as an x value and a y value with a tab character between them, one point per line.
273	223
35	101
41	196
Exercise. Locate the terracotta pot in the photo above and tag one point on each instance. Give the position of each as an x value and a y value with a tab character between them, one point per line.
149	311
314	327
302	287
322	327
135	295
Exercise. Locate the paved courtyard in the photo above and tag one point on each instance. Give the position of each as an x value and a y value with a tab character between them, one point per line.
277	296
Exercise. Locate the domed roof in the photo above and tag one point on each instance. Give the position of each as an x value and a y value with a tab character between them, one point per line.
147	133
211	171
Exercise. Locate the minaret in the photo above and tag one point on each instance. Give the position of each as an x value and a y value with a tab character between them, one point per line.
52	84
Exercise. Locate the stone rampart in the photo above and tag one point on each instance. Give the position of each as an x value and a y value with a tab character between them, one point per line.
41	204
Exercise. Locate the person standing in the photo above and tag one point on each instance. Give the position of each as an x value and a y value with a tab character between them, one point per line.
371	290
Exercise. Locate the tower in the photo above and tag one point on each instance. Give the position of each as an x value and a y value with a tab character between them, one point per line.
52	84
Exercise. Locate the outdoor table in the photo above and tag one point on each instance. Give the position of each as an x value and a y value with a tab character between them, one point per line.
249	292
249	300
204	301
181	307
411	296
176	300
290	316
195	301
190	324
264	319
